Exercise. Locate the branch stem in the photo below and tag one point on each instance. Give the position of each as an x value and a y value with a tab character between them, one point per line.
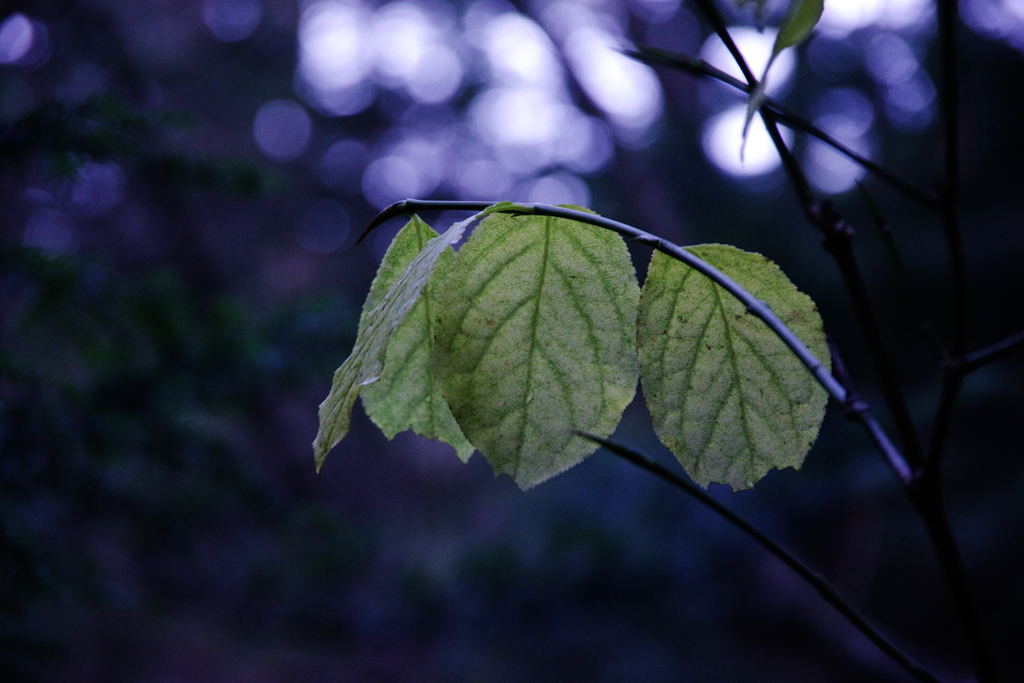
835	389
927	497
990	354
788	118
816	580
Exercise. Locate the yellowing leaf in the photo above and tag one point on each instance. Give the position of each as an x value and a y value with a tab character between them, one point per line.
536	337
726	395
376	328
407	396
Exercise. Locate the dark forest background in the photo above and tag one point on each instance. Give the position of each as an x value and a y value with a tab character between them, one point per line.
181	185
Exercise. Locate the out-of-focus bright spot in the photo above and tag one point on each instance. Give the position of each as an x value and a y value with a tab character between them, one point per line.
756	48
520	116
335	56
827	169
410	52
337	102
282	129
483	179
999	19
585	146
842	17
520	53
723	136
910	105
342	165
232	20
438	76
656	11
845	113
558	188
49	229
15	38
889	59
99	188
627	91
394	177
322	226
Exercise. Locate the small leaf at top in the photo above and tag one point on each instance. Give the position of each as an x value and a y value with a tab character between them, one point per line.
726	395
536	337
365	363
407	396
803	16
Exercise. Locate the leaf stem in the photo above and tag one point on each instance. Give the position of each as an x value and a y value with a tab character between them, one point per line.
786	117
816	580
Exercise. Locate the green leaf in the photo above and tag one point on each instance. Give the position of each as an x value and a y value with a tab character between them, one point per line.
536	337
726	395
803	16
376	329
407	396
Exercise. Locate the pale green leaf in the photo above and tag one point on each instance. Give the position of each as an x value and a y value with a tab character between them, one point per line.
536	337
803	16
726	395
407	396
376	328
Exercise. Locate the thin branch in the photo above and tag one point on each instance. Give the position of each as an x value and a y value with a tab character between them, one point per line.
838	241
858	410
786	117
818	582
711	11
928	499
834	387
989	354
885	230
753	304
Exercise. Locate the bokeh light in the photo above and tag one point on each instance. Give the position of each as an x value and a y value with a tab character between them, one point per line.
232	20
282	129
756	48
49	229
322	226
723	140
15	38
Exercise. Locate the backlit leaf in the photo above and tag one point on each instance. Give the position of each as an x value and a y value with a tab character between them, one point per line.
406	396
726	395
365	363
803	16
536	337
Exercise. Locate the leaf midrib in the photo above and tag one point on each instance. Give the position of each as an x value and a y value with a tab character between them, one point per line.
533	346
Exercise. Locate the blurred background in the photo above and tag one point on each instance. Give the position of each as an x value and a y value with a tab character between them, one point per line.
181	186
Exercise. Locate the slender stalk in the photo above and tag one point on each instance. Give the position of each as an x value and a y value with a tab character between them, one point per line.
858	410
816	580
928	499
989	354
838	241
878	436
753	304
786	117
